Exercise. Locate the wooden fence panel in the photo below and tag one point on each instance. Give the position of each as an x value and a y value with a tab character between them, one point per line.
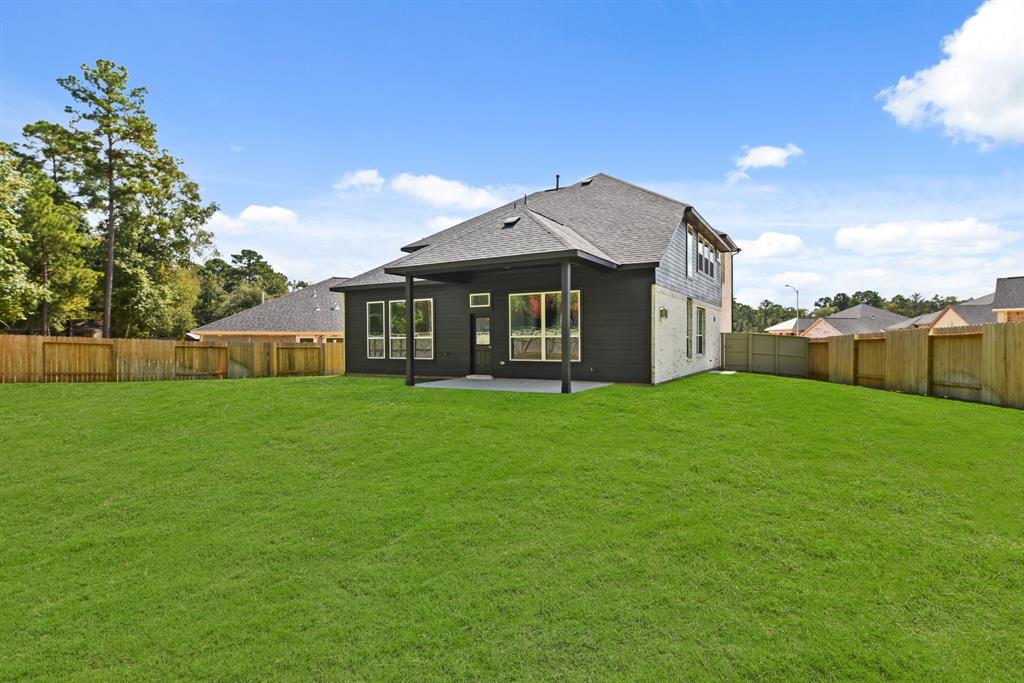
334	358
735	351
842	360
26	358
193	361
141	360
1002	369
71	362
817	359
299	359
956	366
870	362
907	361
766	353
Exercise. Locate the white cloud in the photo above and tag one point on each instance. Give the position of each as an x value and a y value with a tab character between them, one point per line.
236	148
365	179
967	236
443	222
772	246
443	192
764	156
252	216
276	215
977	92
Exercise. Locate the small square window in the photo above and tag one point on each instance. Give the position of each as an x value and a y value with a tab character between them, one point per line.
482	300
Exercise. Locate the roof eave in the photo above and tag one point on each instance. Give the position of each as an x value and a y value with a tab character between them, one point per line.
518	260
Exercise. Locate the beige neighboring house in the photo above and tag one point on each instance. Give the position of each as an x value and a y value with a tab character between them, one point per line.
311	315
1006	304
859	319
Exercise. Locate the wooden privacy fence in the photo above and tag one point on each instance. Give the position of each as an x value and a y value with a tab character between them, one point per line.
69	359
767	353
982	363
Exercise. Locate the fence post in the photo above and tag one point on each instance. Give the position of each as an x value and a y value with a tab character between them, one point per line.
272	365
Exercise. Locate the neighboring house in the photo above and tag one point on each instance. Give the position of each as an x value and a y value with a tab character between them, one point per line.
1006	304
791	327
859	319
650	285
926	321
313	314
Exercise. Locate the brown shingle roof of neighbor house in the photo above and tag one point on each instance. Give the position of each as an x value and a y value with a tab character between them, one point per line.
313	309
1009	293
602	217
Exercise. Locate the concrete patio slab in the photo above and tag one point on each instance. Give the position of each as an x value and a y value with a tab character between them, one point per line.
533	386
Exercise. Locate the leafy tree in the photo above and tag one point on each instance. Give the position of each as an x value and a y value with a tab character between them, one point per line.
251	268
869	297
53	253
154	215
17	292
59	153
295	285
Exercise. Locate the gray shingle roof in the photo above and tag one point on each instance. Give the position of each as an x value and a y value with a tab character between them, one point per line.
1009	293
293	312
606	217
919	321
864	318
530	233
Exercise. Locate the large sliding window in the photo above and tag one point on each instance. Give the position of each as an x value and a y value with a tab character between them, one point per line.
375	329
702	322
535	326
423	329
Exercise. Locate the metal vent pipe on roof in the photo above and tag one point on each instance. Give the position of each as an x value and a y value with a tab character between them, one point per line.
556	181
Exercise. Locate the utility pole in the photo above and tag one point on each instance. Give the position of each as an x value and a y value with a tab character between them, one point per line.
796	323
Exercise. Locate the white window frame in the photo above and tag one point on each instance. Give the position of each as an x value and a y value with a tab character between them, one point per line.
702	329
689	250
486	305
416	335
384	338
305	340
543	329
689	328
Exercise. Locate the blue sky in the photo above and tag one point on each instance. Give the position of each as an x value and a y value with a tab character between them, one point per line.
767	117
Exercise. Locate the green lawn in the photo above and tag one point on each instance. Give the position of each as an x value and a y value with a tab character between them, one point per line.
717	527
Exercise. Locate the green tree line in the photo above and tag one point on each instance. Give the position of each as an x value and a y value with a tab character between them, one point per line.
97	220
749	319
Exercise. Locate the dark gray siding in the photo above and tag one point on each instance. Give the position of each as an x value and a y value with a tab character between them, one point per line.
671	274
616	324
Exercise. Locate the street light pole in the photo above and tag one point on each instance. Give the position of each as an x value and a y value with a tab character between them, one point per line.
796	324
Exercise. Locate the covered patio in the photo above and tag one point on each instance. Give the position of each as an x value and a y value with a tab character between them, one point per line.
526	386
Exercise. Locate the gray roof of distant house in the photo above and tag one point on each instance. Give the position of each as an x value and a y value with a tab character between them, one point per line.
1009	293
298	311
603	217
863	318
985	300
919	321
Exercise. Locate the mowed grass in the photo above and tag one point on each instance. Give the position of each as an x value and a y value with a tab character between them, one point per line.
717	527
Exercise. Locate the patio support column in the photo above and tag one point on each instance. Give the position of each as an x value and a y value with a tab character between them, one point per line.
566	321
410	341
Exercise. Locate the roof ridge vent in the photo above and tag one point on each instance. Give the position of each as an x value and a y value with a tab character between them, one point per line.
510	221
